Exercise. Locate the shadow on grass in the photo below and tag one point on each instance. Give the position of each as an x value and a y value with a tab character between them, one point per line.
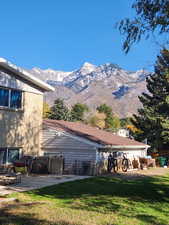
154	189
148	219
107	195
7	217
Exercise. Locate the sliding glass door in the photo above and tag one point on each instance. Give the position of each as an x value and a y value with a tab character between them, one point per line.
9	155
2	156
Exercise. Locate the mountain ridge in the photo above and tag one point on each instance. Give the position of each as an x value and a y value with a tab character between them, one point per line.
107	83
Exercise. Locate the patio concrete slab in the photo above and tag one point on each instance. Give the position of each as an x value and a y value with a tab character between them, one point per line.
38	181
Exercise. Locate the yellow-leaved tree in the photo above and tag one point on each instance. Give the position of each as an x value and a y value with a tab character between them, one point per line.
98	120
46	110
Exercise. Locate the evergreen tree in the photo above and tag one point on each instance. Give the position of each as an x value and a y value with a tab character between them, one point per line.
59	111
124	122
153	118
78	111
112	123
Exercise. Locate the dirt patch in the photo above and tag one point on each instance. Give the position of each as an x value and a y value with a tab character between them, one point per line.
142	173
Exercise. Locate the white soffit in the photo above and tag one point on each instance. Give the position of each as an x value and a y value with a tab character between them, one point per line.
25	75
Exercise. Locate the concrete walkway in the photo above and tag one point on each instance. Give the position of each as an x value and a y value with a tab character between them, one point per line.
37	181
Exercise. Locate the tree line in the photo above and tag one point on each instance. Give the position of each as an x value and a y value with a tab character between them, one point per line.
151	122
102	118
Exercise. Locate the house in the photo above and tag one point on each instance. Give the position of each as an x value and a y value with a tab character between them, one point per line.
82	145
21	106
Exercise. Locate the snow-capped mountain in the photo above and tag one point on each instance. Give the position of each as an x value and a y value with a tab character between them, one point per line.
50	74
91	84
87	68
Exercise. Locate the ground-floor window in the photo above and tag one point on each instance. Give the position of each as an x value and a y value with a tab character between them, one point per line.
9	155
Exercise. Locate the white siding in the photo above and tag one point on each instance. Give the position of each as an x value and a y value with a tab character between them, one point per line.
73	156
53	139
75	152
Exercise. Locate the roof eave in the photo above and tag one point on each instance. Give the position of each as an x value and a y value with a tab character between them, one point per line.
126	146
25	75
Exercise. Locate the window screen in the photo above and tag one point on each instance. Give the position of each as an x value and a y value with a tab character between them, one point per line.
4	97
16	99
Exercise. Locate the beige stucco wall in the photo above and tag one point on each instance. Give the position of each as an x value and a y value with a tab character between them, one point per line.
23	128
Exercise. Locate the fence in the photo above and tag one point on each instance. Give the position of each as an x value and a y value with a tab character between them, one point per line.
48	165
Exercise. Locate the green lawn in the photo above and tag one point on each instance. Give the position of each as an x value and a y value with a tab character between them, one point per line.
98	200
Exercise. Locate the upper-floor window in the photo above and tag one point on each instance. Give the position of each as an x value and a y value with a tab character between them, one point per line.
10	98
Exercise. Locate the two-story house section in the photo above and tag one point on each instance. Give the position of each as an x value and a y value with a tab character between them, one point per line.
21	107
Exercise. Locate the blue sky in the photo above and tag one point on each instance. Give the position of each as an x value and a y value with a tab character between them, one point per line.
63	34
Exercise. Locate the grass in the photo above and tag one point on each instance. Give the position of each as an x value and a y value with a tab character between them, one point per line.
98	200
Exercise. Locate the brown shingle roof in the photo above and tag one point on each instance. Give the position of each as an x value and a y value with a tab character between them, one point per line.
91	133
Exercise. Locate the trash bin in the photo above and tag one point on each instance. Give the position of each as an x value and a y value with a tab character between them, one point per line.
162	161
